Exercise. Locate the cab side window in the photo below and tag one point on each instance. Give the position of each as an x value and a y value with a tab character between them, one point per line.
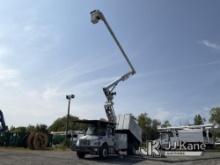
109	132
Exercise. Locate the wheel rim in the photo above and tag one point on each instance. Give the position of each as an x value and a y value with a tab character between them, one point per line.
104	152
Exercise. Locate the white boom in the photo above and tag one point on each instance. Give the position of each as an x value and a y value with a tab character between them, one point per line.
96	15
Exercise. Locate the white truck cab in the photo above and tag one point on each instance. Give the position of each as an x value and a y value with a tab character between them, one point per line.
99	139
103	138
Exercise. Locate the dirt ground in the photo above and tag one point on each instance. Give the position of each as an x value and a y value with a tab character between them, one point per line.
28	157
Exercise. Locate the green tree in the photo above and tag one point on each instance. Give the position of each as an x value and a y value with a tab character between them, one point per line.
215	115
31	128
155	123
19	129
103	119
148	126
12	128
166	124
154	131
145	123
41	128
198	120
60	124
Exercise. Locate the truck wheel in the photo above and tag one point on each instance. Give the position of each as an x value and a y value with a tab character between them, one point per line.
103	152
80	154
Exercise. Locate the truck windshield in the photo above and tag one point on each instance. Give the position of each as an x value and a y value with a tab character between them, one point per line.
92	130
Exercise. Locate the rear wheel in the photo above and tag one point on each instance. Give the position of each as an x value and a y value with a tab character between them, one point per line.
80	154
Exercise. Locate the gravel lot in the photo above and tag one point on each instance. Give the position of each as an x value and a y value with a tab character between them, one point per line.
27	157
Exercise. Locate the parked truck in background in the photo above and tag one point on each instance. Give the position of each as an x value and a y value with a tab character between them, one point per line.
195	134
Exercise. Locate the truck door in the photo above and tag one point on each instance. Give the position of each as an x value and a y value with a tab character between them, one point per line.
110	137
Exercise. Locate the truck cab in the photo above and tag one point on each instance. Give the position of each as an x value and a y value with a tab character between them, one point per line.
103	138
99	139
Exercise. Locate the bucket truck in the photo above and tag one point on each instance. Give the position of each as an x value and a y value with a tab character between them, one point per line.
120	133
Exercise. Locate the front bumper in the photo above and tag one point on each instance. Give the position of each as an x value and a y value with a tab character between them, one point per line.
86	149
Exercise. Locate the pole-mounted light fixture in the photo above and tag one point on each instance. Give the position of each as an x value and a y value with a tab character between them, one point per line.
68	97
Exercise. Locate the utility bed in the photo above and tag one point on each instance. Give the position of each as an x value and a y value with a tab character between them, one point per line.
128	123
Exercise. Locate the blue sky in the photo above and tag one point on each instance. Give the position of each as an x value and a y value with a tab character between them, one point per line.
50	48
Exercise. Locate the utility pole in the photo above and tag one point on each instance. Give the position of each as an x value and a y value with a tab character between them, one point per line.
68	97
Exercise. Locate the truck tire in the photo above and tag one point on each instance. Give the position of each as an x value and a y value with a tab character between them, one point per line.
80	154
103	151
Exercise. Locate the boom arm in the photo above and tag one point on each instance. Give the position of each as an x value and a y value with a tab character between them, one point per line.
96	15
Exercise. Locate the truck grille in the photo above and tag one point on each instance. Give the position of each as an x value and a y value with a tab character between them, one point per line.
84	142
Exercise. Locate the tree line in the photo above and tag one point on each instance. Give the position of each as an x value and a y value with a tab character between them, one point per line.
148	125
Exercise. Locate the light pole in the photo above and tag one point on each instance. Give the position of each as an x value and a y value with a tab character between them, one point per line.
68	97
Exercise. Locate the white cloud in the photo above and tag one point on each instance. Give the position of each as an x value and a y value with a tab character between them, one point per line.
174	117
3	51
9	77
50	93
91	83
210	44
162	114
34	33
83	67
6	74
